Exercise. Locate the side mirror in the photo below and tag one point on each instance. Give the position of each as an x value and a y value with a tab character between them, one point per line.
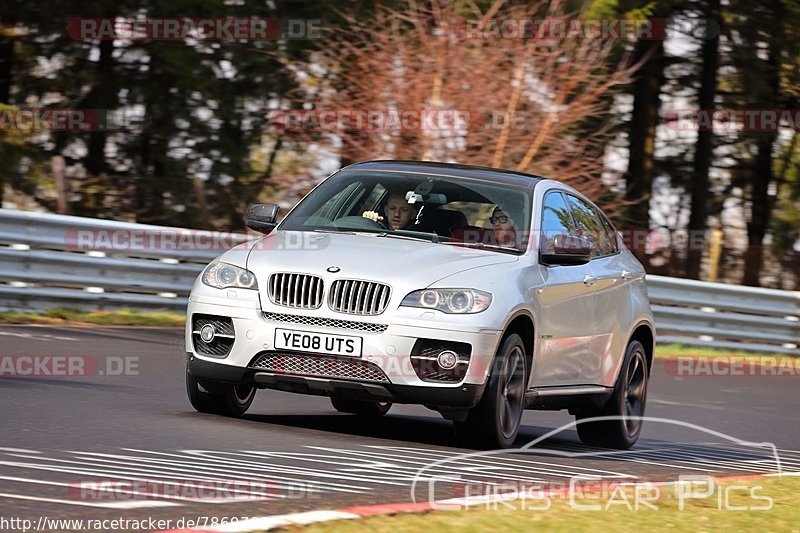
568	250
261	217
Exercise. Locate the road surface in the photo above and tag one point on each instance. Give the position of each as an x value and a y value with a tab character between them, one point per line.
75	446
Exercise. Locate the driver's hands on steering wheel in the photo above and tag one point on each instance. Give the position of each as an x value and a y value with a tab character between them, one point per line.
372	215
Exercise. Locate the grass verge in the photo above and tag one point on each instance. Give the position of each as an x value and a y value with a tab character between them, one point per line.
671	351
713	513
122	317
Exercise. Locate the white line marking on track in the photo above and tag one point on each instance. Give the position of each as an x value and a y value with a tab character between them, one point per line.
38	337
193	462
120	472
108	505
161	497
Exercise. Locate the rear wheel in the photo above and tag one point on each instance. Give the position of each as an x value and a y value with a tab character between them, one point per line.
227	400
626	405
494	422
358	407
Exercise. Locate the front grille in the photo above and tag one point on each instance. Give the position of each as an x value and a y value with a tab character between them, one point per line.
358	297
224	335
334	323
302	291
346	368
424	356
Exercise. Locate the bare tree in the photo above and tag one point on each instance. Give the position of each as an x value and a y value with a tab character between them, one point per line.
495	99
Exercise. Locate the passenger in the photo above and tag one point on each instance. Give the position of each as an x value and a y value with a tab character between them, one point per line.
399	213
504	229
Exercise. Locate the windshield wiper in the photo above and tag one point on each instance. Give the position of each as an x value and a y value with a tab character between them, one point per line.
325	230
410	235
483	246
397	234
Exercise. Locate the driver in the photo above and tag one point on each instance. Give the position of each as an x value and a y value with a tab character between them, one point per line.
399	213
504	228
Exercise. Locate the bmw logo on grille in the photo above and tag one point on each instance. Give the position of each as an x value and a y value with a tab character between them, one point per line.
334	269
207	333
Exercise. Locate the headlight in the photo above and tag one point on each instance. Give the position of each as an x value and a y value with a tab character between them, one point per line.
460	301
222	275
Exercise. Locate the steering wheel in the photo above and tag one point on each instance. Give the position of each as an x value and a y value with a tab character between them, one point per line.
356	222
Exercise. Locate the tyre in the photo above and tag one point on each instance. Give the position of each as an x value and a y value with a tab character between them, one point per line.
494	422
358	407
227	400
628	399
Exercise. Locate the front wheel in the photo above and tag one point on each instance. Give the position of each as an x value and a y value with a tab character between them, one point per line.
227	400
357	407
625	408
494	422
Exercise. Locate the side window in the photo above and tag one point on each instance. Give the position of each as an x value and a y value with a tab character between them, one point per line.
556	219
610	235
590	227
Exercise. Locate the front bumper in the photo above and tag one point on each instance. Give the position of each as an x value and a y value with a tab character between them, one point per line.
390	350
462	396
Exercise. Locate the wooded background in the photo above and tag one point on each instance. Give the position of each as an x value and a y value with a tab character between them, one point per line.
201	139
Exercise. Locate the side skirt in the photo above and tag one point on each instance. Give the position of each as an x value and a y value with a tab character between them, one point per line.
572	397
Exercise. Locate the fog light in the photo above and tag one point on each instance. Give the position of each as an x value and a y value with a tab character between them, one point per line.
207	333
447	359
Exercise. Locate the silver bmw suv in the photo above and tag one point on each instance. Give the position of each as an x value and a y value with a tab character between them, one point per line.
476	292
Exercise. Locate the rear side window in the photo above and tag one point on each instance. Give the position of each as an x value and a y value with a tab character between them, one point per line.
590	227
556	219
610	235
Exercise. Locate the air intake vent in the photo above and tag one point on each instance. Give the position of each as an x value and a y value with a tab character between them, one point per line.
424	360
334	323
220	335
357	297
347	368
302	291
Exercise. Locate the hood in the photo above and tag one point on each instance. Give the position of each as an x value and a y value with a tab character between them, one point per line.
399	262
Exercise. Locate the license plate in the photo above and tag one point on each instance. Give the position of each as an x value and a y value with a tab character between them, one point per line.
307	341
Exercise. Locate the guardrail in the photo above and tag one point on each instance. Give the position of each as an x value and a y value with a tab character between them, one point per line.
699	313
63	261
51	261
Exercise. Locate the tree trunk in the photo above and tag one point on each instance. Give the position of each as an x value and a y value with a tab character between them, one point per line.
762	174
58	167
704	148
642	134
6	64
760	210
103	98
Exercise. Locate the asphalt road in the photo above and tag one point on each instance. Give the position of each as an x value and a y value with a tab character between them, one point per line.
62	437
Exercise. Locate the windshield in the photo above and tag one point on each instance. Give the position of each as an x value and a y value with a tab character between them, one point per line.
441	209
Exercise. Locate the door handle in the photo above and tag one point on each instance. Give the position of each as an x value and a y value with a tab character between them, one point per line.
625	274
589	280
